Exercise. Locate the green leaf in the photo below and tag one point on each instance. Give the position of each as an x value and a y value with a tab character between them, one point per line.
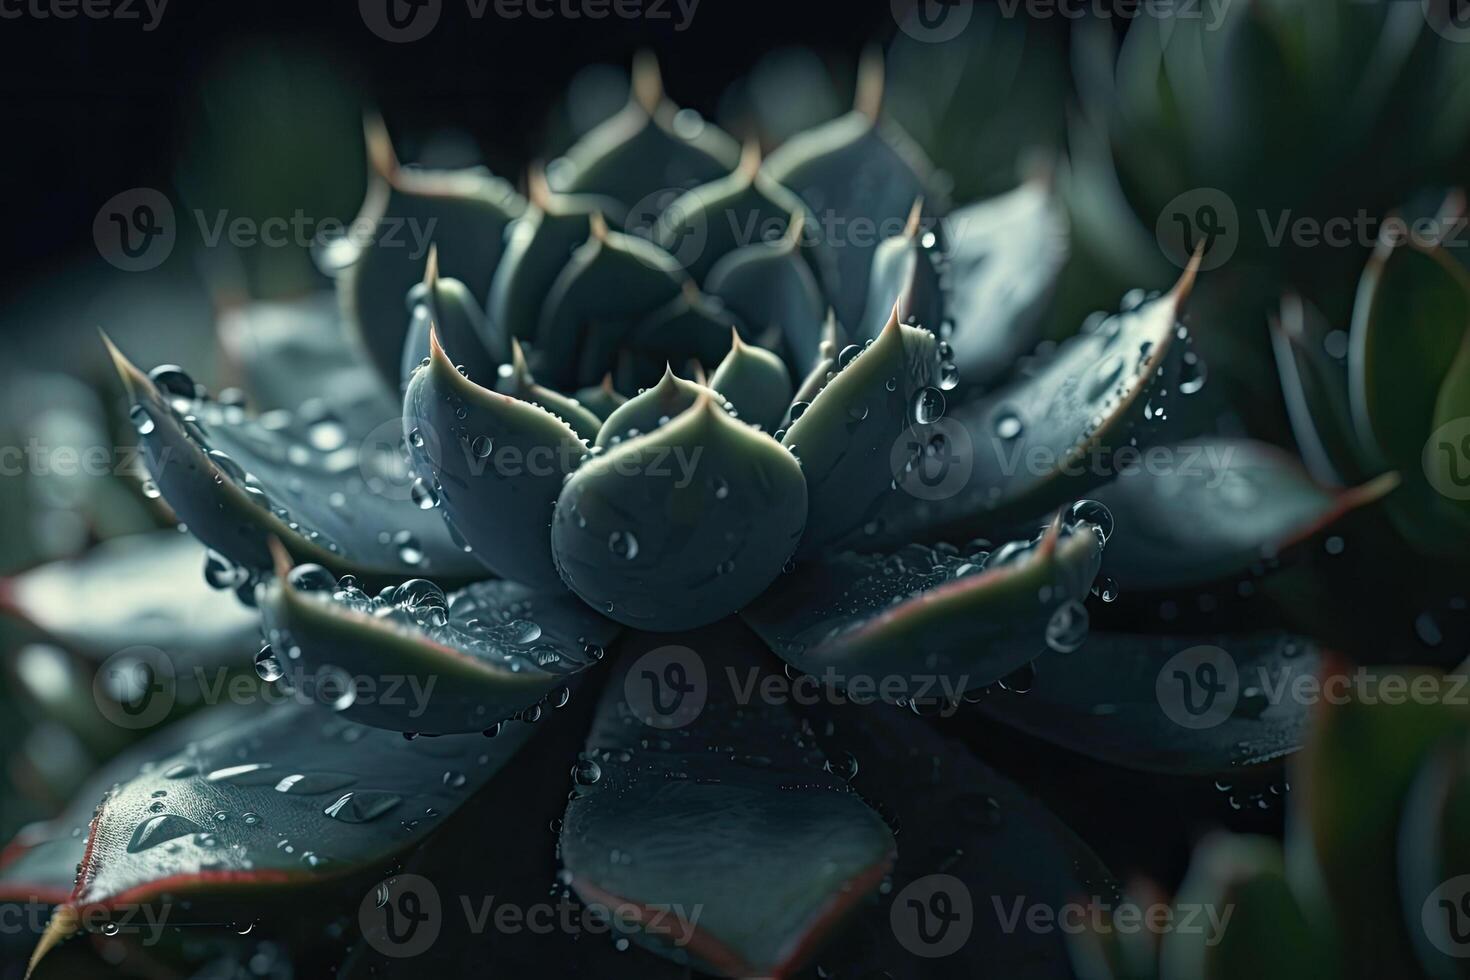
601	400
493	463
641	152
650	409
850	430
756	382
1434	857
334	489
1250	923
1213	509
682	525
904	275
794	849
1005	256
611	284
931	624
136	590
690	326
1409	323
854	169
770	286
296	805
446	306
571	411
1353	775
1055	432
419	660
1145	702
463	212
1315	385
709	222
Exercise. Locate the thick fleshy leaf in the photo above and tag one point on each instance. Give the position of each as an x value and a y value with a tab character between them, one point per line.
650	409
854	169
518	382
1056	432
709	222
1411	319
1215	508
463	213
848	435
1362	754
137	590
610	285
601	400
447	306
756	382
1005	256
690	326
905	275
1314	382
418	660
293	802
642	152
537	247
1254	925
931	624
769	285
494	464
965	832
331	496
1199	705
680	526
729	824
1434	857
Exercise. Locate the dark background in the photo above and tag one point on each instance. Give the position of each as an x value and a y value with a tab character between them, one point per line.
92	107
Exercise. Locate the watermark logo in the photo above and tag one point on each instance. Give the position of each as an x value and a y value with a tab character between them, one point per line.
667	688
134	230
1450	19
1203	217
932	461
400	21
933	916
1446	459
1199	687
1445	916
149	12
382	458
932	21
676	211
402	916
135	687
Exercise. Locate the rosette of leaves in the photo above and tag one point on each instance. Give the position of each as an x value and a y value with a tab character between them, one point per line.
574	467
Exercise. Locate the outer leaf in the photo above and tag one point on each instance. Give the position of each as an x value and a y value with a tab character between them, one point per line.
296	800
1053	434
929	624
144	589
496	465
1221	506
795	848
1353	775
1005	256
501	648
1315	385
1122	699
235	481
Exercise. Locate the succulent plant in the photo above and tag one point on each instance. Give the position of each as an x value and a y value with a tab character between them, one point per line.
712	477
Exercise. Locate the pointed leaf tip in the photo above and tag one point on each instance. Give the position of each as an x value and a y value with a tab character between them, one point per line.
648	83
868	100
65	922
382	158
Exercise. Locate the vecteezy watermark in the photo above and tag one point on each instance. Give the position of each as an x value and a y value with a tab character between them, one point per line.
1206	218
932	916
404	21
669	687
932	21
1445	916
1199	687
1446	459
934	460
36	458
136	687
404	915
1450	19
146	12
136	230
327	685
1099	916
142	923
